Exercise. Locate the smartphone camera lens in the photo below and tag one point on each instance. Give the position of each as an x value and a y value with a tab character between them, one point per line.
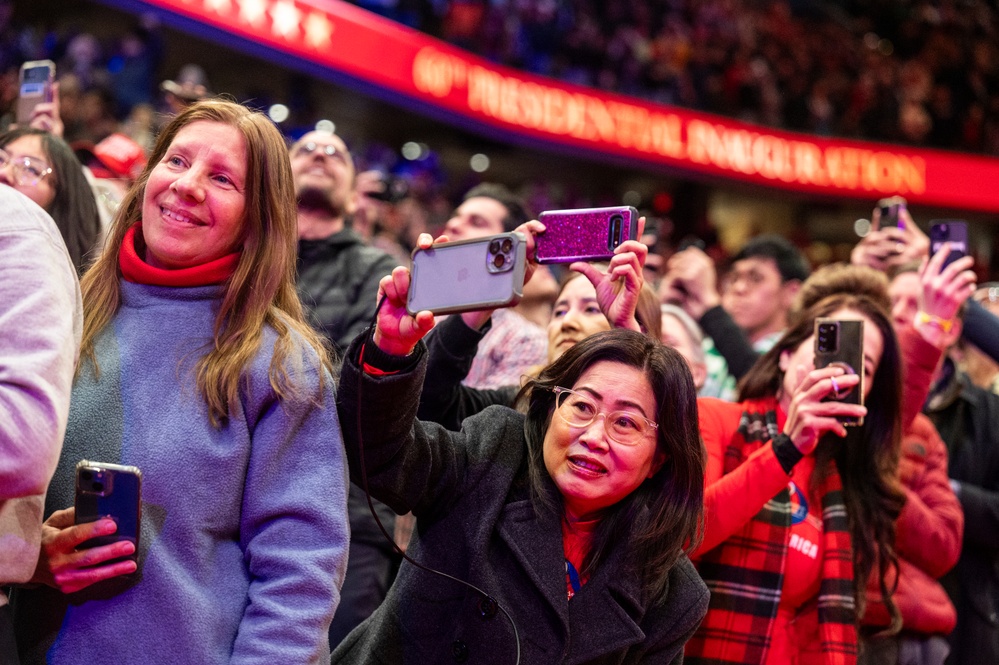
499	260
98	487
86	475
827	337
507	245
494	247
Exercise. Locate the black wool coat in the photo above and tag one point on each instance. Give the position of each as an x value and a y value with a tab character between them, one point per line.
476	521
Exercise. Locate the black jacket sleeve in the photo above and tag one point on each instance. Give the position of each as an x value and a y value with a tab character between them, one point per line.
451	347
981	328
730	341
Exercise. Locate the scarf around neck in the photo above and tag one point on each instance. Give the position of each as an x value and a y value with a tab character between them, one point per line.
135	269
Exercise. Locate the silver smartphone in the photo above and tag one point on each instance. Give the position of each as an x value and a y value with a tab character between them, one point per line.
467	275
840	343
36	87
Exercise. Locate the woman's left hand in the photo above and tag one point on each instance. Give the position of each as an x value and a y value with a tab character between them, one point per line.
396	331
618	288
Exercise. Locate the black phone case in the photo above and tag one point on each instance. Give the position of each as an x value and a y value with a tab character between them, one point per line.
848	354
121	500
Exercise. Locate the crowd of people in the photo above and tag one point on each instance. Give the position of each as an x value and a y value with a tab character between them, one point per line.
626	466
922	73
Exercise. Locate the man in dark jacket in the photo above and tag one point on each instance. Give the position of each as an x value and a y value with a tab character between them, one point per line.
337	273
338	279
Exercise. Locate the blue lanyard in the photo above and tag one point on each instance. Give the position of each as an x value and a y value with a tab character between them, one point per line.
570	570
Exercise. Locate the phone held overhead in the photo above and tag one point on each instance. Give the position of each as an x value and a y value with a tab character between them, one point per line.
468	275
584	234
36	87
953	231
889	209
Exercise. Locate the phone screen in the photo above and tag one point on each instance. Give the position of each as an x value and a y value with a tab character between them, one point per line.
39	74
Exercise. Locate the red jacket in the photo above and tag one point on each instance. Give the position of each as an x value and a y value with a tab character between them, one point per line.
930	528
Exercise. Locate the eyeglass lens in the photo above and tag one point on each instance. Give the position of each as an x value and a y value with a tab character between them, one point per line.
28	171
580	411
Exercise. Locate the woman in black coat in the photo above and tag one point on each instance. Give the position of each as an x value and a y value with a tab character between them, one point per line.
572	520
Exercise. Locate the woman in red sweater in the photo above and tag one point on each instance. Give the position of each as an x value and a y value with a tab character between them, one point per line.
799	507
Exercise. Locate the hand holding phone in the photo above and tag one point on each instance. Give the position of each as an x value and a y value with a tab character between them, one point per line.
584	234
889	210
468	275
840	343
36	79
110	491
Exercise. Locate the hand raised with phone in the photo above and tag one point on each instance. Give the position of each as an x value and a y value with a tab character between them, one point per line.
397	331
618	287
890	244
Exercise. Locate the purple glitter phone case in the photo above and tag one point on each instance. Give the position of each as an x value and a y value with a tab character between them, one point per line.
584	234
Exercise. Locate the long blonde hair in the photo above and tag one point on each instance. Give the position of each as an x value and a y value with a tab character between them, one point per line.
260	292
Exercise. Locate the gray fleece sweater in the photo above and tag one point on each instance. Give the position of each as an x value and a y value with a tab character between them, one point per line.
244	528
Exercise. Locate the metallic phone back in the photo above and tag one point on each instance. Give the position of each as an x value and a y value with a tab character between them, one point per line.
123	504
454	277
581	235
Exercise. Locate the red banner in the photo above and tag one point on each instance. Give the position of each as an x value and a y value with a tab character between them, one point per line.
379	52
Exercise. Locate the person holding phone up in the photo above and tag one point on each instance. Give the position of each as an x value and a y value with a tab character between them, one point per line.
572	520
798	506
199	369
591	298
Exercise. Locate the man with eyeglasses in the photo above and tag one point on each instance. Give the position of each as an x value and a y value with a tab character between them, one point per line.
338	277
338	273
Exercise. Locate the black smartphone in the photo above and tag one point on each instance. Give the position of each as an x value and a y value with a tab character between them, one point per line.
840	343
467	275
954	231
113	491
584	234
36	87
889	209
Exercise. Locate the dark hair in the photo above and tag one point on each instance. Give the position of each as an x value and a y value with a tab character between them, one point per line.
791	263
867	459
74	208
663	515
516	209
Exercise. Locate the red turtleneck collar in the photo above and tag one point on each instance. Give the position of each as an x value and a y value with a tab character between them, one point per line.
135	269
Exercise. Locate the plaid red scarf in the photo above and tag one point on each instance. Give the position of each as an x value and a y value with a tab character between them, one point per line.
745	573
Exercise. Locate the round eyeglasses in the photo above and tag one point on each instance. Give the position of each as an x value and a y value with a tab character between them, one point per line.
625	427
28	171
326	149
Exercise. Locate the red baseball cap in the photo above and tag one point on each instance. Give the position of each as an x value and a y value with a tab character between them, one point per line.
117	156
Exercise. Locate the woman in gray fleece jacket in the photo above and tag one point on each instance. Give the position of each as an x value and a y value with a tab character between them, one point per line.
197	367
